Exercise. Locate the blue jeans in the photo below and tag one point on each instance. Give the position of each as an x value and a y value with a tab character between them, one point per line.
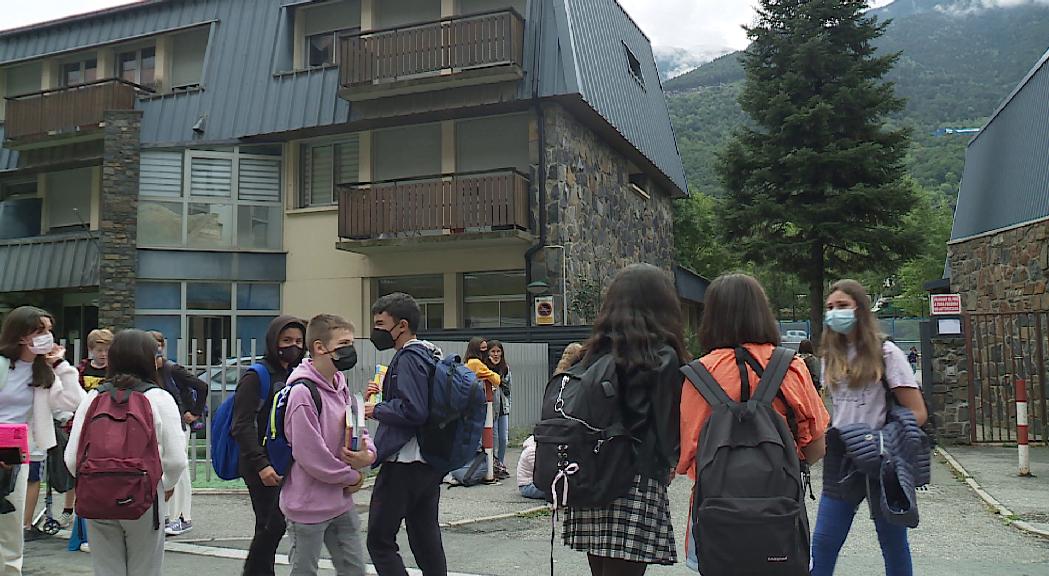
502	431
530	491
833	523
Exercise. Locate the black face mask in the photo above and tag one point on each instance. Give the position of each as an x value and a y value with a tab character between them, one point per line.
344	358
383	339
291	354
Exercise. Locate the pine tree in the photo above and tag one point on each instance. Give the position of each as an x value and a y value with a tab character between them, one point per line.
816	187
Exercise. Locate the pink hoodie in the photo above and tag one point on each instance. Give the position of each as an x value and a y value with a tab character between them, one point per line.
313	490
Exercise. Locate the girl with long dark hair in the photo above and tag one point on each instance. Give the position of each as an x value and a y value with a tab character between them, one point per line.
35	381
134	547
640	326
738	320
501	403
859	363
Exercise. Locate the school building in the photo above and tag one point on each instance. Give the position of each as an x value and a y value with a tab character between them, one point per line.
197	166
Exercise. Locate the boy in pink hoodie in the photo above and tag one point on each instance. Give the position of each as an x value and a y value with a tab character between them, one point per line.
317	495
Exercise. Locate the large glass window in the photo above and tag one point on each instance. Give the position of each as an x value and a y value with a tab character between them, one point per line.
211	312
68	198
321	25
81	72
324	167
210	200
428	291
495	299
138	66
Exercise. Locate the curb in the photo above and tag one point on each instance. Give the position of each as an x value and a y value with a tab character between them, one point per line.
508	515
996	506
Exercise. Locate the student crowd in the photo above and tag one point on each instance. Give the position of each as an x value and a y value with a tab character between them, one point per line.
676	425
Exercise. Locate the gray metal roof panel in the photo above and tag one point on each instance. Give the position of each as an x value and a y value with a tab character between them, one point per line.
1006	176
49	262
601	32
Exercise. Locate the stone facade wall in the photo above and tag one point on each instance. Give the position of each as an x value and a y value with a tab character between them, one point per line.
1004	272
949	399
592	210
118	220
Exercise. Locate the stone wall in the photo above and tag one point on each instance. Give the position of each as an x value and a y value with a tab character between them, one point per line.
1003	272
594	212
118	220
949	398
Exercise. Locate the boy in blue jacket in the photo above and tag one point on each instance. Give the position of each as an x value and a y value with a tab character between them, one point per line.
407	488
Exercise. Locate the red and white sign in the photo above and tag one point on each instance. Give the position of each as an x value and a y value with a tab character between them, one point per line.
944	304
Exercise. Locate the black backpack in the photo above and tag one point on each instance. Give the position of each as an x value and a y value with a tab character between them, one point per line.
748	510
584	455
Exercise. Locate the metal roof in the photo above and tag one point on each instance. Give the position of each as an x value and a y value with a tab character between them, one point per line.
1006	176
593	39
690	286
582	45
49	262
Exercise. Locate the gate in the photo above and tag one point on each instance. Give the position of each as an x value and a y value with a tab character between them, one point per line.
1003	348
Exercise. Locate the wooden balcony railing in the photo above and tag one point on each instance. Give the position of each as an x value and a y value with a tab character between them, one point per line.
456	43
67	109
468	201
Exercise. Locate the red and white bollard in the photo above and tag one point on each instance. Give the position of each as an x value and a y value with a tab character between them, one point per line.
1021	428
488	437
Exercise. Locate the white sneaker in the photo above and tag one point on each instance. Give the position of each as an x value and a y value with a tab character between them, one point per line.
65	520
450	480
178	527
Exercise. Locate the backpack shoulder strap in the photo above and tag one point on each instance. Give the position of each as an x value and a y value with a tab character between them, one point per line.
314	393
705	383
263	374
772	379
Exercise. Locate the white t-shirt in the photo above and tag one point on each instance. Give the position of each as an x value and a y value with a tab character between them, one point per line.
16	396
866	404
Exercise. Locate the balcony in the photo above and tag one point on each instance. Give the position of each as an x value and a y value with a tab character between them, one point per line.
459	51
65	112
487	208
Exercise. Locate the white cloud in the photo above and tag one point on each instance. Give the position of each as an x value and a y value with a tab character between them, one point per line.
976	6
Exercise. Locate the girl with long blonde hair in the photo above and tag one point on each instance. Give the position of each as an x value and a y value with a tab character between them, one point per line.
858	365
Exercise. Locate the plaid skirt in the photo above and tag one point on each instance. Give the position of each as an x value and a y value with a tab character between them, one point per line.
635	527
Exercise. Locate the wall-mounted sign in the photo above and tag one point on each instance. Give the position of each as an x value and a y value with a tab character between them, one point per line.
945	304
544	311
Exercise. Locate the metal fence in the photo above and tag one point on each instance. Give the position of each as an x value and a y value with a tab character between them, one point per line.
528	362
905	332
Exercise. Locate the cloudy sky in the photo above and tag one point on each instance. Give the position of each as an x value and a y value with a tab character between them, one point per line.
669	23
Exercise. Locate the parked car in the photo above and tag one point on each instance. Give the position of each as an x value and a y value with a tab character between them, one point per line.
222	380
795	336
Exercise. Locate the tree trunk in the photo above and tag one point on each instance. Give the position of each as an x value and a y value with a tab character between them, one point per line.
816	281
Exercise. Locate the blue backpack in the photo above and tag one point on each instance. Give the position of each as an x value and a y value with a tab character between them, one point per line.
225	453
278	449
452	432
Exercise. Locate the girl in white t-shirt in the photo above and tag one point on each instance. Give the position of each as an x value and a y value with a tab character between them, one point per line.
856	360
35	380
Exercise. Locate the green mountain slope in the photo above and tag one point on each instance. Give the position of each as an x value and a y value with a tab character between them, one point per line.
958	62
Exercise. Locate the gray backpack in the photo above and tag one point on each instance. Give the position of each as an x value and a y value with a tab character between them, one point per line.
748	511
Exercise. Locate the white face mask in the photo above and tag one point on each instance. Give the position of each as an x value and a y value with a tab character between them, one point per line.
42	344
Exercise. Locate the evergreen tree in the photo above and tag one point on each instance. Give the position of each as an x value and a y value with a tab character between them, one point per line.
816	187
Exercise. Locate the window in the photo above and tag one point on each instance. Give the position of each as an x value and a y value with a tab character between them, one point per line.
324	167
635	65
320	49
318	27
210	313
20	210
495	299
210	200
138	66
74	73
428	291
68	198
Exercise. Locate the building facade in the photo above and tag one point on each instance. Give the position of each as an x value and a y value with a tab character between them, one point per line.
198	166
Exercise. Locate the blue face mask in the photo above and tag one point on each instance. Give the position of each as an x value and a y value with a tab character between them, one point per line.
841	320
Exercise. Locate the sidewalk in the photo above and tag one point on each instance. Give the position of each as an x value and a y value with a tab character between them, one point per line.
991	471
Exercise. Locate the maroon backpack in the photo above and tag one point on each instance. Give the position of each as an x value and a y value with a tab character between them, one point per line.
118	459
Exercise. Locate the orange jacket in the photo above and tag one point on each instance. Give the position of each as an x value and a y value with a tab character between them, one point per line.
797	388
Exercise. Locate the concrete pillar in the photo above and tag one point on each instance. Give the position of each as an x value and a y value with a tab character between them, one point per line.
448	8
49	75
448	156
453	298
118	221
364	152
106	64
96	197
164	57
368	15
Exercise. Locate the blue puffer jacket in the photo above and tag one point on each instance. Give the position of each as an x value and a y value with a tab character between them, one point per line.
895	458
